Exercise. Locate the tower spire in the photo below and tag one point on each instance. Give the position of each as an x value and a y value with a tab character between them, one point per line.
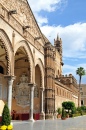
57	36
58	44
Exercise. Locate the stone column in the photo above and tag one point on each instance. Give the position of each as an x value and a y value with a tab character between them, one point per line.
10	83
32	85
42	114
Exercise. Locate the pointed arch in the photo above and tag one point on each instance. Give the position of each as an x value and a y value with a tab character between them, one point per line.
8	48
41	66
26	46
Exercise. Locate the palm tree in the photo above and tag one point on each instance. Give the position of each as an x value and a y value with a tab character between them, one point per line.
81	72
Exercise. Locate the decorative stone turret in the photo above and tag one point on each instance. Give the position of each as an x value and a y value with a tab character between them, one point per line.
70	82
58	46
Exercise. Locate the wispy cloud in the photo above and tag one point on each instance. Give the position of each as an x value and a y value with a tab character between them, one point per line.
73	37
74	45
41	20
48	5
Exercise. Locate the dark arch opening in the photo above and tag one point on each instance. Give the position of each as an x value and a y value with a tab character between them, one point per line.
1	70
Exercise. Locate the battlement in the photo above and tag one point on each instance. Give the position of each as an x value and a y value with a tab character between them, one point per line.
67	79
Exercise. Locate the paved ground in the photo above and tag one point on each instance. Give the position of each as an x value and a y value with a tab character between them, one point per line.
78	123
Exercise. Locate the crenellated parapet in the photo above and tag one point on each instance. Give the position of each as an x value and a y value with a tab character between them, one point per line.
69	81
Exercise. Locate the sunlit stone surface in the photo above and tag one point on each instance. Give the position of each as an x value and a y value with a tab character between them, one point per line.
78	123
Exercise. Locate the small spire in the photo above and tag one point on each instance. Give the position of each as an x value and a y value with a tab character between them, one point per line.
57	36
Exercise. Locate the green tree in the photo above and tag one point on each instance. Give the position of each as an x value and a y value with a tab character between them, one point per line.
73	110
81	72
83	108
68	105
6	118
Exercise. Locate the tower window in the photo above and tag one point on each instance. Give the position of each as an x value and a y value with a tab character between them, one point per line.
82	102
1	70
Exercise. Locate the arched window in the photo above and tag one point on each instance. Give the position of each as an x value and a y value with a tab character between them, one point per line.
1	70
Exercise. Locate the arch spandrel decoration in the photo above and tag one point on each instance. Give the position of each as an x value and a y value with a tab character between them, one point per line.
41	66
8	48
24	44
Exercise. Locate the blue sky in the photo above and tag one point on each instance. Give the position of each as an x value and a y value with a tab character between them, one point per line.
67	18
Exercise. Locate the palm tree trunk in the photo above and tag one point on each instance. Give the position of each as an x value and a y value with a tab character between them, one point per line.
79	92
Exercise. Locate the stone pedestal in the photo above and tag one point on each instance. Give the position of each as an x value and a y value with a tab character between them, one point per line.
55	115
49	116
42	116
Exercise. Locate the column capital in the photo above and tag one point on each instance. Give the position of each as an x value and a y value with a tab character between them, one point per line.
32	84
42	89
10	77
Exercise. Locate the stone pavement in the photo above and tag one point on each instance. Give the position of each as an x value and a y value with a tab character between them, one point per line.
78	123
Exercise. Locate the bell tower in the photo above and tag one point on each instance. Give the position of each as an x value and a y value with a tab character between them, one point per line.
49	79
58	45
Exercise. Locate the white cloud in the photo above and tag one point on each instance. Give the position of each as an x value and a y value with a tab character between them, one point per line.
48	5
74	45
41	20
73	38
67	69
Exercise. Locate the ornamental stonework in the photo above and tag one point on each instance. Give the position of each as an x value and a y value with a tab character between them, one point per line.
24	15
22	93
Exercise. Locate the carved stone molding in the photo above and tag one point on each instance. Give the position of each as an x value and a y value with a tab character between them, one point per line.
24	14
23	17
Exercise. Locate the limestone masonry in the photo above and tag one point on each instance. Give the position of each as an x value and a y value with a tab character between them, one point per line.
31	79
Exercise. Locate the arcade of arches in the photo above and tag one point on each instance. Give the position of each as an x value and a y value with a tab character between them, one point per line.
31	79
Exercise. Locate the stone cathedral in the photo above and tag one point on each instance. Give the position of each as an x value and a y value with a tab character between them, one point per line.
31	79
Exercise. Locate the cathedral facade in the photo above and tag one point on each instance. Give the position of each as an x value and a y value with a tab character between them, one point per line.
31	79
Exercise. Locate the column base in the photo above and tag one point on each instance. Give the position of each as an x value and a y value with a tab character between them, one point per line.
55	115
31	120
42	116
49	116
